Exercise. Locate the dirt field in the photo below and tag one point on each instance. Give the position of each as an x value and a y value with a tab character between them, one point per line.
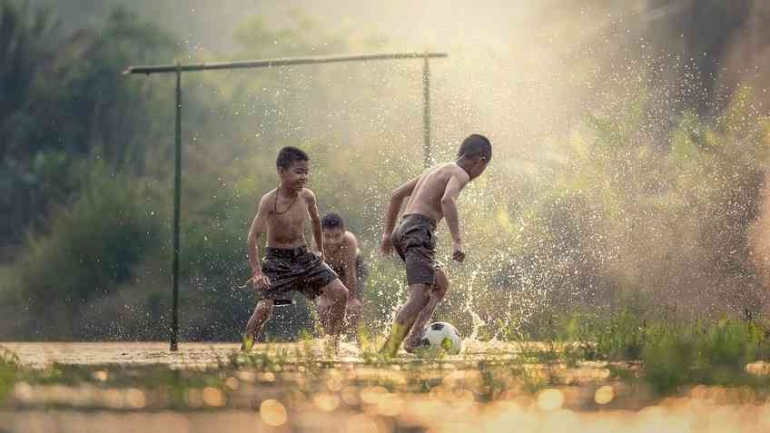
142	387
190	355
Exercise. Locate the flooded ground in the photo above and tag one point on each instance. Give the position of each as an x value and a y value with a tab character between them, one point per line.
126	387
190	355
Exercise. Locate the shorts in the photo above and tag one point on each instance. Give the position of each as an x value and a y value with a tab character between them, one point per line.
295	269
362	274
415	242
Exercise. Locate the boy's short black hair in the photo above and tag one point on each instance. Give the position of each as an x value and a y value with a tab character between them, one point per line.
289	155
332	221
475	146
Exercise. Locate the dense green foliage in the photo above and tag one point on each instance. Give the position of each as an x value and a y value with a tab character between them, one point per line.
622	210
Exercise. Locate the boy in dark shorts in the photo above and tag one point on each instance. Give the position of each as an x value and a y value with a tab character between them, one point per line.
342	254
432	196
288	264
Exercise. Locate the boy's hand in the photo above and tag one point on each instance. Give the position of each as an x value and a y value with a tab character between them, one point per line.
320	255
260	282
387	245
458	253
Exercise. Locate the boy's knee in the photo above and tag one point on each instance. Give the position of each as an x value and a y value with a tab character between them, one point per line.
355	306
440	290
441	284
265	308
420	295
338	292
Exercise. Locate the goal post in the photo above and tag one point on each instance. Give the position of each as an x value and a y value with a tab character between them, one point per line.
178	69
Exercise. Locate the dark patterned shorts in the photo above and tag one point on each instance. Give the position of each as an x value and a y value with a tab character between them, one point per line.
415	241
295	269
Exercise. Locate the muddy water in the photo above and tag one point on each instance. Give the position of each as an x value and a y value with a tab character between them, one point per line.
191	355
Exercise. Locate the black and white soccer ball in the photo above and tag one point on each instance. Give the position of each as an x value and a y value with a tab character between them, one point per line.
442	335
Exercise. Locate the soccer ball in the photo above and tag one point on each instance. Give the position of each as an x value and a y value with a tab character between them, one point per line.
442	335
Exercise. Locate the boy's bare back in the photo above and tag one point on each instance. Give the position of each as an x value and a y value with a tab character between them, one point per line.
430	188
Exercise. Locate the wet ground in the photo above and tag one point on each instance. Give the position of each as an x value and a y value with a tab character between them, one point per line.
143	387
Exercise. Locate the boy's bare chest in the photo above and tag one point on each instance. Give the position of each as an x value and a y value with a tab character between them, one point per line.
288	215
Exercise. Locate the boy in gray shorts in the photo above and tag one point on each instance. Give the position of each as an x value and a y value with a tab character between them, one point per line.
288	264
432	196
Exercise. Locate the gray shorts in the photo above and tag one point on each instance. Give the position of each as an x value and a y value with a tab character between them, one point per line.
362	274
295	269
415	241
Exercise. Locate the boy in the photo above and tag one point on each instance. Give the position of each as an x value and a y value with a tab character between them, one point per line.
288	265
342	254
432	196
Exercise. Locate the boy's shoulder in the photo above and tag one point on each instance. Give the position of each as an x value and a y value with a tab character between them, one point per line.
267	197
307	194
350	237
459	172
444	166
450	168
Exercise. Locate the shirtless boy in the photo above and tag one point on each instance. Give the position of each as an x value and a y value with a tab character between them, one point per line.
432	196
342	254
288	264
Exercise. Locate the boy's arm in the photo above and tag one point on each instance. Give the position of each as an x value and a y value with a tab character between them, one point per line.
396	198
351	250
258	225
449	208
315	220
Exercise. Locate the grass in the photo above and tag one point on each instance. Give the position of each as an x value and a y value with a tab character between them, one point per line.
672	353
665	358
9	366
709	354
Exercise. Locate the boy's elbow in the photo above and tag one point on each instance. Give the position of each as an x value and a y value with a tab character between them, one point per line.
447	201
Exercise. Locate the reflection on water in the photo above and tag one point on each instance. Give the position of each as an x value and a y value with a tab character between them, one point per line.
296	387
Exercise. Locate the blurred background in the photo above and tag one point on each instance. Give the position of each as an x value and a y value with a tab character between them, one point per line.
629	173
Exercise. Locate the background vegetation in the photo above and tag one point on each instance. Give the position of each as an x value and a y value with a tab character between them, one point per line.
639	191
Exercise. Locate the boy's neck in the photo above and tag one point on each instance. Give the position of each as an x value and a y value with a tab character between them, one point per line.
286	191
464	164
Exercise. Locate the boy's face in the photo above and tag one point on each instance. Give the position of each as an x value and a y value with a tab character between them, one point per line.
295	176
333	237
478	167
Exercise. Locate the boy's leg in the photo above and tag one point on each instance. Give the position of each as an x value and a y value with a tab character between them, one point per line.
415	242
261	314
437	293
419	296
356	298
331	305
352	316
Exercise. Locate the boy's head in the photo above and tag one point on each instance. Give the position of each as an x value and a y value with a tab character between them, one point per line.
474	154
293	166
333	228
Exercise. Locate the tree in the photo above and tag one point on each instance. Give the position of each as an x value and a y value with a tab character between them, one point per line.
64	102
